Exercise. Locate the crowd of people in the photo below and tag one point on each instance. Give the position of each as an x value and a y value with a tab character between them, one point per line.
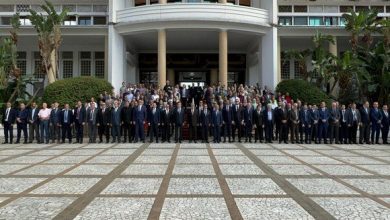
211	113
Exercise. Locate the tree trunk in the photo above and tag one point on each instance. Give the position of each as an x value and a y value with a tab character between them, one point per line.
51	74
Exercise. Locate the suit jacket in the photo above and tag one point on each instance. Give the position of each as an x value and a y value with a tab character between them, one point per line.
205	119
70	117
55	116
265	117
343	118
154	118
334	115
237	114
294	116
365	116
258	118
139	116
305	117
375	115
104	118
217	118
22	115
92	118
11	116
283	114
178	117
248	114
166	117
385	120
127	115
79	117
323	115
193	117
34	117
116	116
315	115
350	116
227	115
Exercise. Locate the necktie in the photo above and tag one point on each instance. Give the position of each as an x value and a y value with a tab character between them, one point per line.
32	115
66	116
7	114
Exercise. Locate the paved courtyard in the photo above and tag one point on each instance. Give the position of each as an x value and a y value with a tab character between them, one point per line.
194	181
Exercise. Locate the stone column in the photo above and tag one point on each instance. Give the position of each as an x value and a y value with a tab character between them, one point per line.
162	58
223	57
162	1
116	59
222	1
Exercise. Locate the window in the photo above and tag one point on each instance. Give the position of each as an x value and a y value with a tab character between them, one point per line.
173	1
297	70
300	8
7	8
148	77
70	20
69	8
285	21
37	8
331	21
245	2
99	64
285	8
153	2
99	20
300	20
361	8
22	8
39	70
316	21
67	65
346	8
378	8
100	8
84	8
211	1
316	8
285	73
21	62
85	21
139	2
229	1
342	21
85	64
24	20
388	9
331	9
5	20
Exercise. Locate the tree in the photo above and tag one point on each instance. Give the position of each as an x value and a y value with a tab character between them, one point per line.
48	27
300	57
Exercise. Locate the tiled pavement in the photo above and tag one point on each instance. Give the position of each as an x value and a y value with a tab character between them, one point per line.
194	181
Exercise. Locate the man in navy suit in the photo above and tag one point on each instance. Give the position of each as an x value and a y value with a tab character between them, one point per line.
334	124
154	122
54	121
205	119
258	123
365	124
237	119
353	121
179	121
116	122
9	117
385	124
33	122
79	120
323	123
166	123
139	116
305	118
248	121
376	122
314	114
193	122
227	115
92	122
343	125
268	120
21	120
217	123
66	121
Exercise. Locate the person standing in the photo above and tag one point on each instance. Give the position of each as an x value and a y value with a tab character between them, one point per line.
258	124
283	115
79	122
139	116
9	117
116	122
33	121
54	121
365	124
294	123
237	120
353	121
166	119
104	122
268	119
205	119
278	122
126	117
66	121
217	120
154	122
193	123
227	116
248	121
92	121
376	122
179	121
323	123
21	120
334	124
385	124
343	125
44	118
306	122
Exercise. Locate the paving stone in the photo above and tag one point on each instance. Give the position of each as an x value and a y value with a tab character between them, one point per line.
193	152
66	186
145	169
153	159
17	185
44	169
321	186
251	186
191	186
193	159
294	170
278	160
371	152
233	159
359	160
302	152
257	146
134	186
380	169
240	169
319	160
267	152
162	152
28	159
117	208
120	152
271	208
193	145
107	159
35	208
12	152
9	168
372	186
337	153
195	208
67	159
49	152
92	170
228	152
341	170
196	169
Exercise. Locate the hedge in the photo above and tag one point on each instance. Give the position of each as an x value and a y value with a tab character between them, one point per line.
73	89
304	91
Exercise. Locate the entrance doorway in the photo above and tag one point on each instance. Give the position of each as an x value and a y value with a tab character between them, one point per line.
192	79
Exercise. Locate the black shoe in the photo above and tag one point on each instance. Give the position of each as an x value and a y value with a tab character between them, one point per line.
25	142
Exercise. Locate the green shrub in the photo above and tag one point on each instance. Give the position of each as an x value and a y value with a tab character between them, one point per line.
304	91
73	89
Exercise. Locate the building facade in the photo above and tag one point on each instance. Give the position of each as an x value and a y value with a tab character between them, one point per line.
193	42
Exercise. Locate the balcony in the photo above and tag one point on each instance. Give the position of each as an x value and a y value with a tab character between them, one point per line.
192	15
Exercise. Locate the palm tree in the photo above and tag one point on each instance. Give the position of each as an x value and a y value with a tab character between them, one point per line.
48	27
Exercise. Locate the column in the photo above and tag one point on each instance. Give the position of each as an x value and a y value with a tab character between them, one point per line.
223	57
116	59
222	1
162	58
269	57
333	47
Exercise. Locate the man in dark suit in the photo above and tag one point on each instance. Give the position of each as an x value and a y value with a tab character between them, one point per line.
33	122
154	122
9	117
305	119
283	117
116	122
323	123
237	119
205	119
294	123
343	125
79	121
227	115
66	121
139	116
353	121
104	122
21	120
92	122
193	123
258	123
166	123
385	124
376	122
54	121
217	120
315	116
334	123
179	121
365	124
278	122
126	117
268	120
248	121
